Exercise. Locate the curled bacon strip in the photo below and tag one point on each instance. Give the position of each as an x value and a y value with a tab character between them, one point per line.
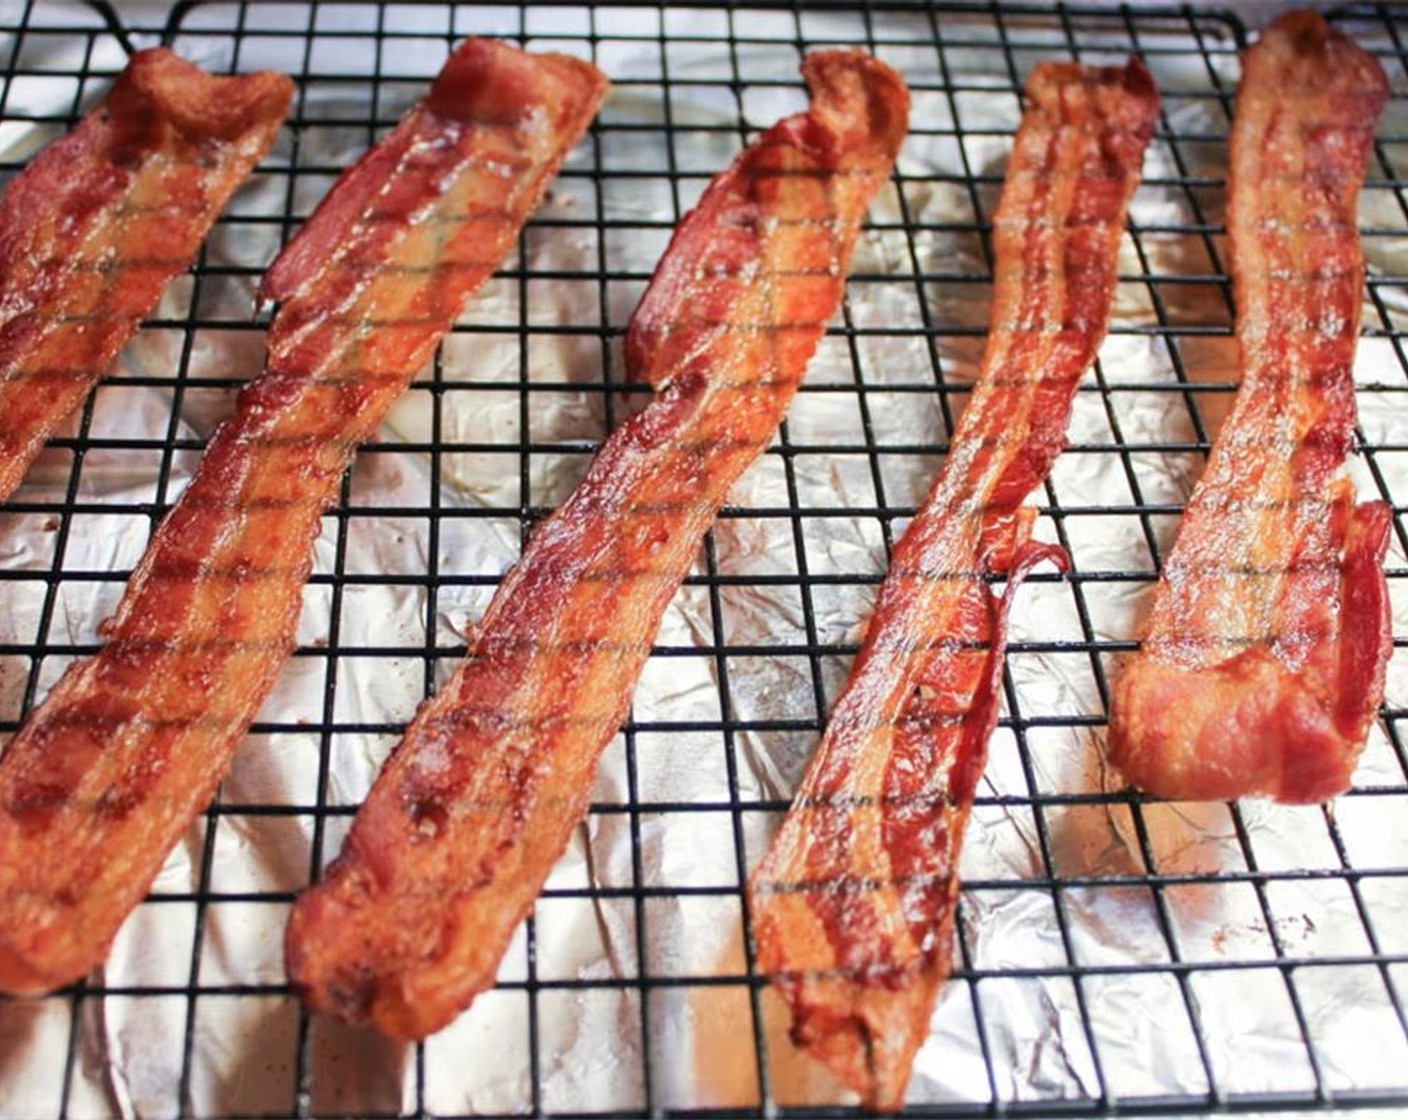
108	772
479	800
98	223
1262	663
853	904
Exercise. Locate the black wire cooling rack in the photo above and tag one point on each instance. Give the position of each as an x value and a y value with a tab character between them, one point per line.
1317	958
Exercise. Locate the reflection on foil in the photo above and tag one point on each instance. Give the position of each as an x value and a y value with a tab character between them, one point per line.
1074	973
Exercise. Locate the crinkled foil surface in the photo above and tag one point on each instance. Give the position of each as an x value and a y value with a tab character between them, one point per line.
1076	977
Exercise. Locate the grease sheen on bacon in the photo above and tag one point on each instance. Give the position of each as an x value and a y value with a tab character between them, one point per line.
93	229
479	800
106	775
1262	662
853	904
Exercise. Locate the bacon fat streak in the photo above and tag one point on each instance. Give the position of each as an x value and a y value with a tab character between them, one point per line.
100	221
1262	662
495	772
853	904
106	775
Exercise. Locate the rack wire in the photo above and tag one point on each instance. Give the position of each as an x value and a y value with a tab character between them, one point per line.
196	1035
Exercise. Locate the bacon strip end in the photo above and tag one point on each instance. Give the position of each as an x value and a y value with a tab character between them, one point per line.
100	221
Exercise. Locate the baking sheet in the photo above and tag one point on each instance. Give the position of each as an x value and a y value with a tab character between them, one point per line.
1109	949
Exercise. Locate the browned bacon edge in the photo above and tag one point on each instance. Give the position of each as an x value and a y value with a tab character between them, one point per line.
479	800
110	770
99	222
853	904
1262	662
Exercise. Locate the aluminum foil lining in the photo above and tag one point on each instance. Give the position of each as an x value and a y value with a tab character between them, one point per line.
1103	982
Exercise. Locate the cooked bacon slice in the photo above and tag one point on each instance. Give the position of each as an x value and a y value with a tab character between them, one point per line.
479	800
1262	663
853	904
109	771
98	223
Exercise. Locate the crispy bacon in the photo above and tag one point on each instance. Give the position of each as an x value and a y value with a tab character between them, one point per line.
853	904
109	771
1262	663
98	223
479	800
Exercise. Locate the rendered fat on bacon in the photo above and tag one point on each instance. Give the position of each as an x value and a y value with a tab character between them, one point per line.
853	904
100	221
106	775
479	800
1262	661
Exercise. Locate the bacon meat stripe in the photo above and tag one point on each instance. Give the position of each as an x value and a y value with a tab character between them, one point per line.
99	222
476	804
853	904
1262	662
109	771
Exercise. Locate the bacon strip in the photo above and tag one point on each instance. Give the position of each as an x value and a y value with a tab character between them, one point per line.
479	800
100	221
107	774
853	904
1262	664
